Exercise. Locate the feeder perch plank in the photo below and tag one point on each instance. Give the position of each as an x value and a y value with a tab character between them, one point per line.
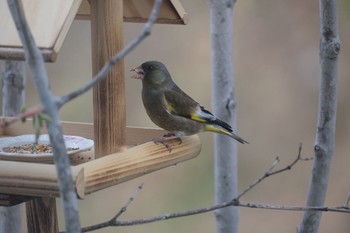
37	179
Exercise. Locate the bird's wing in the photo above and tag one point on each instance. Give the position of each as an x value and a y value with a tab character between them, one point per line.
179	103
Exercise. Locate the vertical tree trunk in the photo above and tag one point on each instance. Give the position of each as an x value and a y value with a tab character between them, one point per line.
224	104
325	135
13	87
13	97
37	67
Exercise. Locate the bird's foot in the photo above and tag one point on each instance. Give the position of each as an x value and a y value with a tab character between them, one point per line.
165	139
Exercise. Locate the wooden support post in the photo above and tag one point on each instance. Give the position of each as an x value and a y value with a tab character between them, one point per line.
42	215
109	95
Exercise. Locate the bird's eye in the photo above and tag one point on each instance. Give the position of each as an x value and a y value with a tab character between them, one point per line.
151	67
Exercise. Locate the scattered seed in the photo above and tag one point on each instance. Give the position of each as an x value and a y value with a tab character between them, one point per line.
33	148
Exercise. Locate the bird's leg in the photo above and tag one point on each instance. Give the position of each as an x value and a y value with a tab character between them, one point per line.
167	137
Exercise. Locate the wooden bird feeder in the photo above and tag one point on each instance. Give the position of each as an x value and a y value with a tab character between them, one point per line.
121	153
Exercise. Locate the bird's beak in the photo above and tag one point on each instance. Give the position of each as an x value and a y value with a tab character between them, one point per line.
139	73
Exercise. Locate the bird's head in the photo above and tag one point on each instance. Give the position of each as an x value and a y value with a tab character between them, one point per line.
153	73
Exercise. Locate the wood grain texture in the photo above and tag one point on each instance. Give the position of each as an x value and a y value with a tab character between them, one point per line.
34	179
109	95
41	214
137	161
138	11
41	180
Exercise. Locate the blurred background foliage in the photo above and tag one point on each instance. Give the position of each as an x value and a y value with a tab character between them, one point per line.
276	60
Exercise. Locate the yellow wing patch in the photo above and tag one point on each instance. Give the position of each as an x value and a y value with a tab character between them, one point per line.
196	118
212	128
170	107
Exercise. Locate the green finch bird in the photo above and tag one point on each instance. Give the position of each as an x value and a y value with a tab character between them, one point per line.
172	109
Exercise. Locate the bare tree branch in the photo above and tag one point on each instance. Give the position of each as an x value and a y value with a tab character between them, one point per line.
60	101
13	99
224	107
114	219
22	116
326	120
114	222
39	74
114	60
270	171
51	105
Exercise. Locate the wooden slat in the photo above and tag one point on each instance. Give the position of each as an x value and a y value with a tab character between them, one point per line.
41	180
49	22
35	179
135	162
138	11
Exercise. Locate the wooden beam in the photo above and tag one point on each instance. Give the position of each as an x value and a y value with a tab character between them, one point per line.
41	179
138	11
109	95
135	162
41	215
32	179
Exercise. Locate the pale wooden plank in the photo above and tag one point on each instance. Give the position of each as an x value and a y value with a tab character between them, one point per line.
45	18
135	162
32	179
41	179
66	25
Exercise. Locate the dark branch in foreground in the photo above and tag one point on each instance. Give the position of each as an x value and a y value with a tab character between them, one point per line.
114	222
114	60
60	101
234	202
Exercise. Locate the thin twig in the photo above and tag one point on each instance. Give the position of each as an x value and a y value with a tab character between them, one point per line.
114	60
112	221
340	209
346	205
60	101
266	174
234	202
31	112
39	75
270	171
131	199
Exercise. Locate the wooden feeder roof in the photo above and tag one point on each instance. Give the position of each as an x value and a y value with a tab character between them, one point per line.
50	21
